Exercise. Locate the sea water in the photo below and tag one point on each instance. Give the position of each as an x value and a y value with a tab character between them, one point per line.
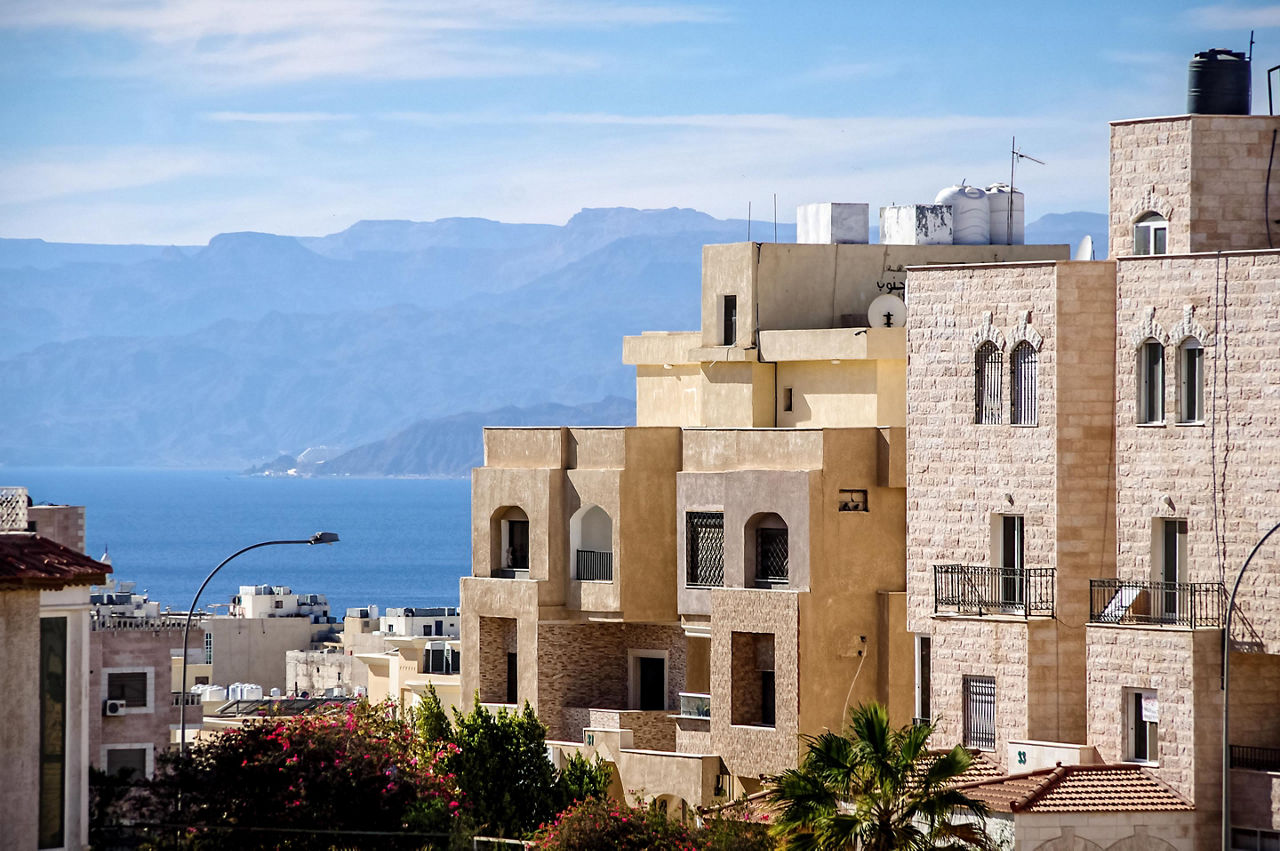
405	542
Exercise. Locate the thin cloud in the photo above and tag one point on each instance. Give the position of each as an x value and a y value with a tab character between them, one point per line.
277	117
68	172
1231	17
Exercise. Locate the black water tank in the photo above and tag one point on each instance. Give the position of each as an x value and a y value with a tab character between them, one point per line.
1218	83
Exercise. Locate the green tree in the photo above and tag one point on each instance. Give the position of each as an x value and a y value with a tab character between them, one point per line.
876	788
581	778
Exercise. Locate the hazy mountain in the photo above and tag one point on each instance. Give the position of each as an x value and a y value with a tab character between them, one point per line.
450	446
258	345
1070	228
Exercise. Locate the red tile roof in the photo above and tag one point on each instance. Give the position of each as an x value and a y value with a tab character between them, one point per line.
1077	789
29	561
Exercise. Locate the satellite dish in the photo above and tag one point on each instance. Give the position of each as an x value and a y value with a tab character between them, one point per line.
887	311
1084	251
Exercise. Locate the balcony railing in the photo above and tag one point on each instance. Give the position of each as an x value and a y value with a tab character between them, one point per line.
595	566
177	698
695	705
512	573
969	589
1197	605
1255	759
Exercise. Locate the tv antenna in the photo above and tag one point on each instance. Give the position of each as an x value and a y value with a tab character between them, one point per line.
1015	154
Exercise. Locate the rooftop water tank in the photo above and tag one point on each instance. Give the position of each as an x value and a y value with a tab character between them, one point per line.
1218	83
970	214
1002	198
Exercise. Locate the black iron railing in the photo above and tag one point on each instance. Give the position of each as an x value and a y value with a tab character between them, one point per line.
1198	605
512	573
594	566
1255	759
969	589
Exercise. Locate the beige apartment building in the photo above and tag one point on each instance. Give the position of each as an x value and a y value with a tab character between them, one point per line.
687	596
1093	451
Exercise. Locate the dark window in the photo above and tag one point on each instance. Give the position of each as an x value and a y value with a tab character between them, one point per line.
439	627
730	320
455	661
786	398
1191	382
704	531
437	661
766	698
771	555
53	730
131	760
1022	367
513	677
980	713
518	544
1151	383
1144	729
653	676
988	365
924	677
1011	560
131	687
1173	562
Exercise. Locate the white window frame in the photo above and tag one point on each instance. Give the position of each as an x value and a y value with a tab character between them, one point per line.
924	678
1149	413
130	709
1190	387
633	675
1010	586
1166	604
148	747
1151	729
1149	229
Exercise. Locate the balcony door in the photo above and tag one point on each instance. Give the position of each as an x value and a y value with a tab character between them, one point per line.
1011	560
648	680
1173	566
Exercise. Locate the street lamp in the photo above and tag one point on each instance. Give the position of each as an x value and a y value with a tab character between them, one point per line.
1226	696
317	538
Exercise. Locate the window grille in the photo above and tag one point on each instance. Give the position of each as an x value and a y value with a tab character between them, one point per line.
988	365
771	554
980	713
1023	385
705	542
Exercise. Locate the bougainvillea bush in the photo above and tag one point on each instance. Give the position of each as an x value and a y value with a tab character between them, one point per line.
609	823
358	770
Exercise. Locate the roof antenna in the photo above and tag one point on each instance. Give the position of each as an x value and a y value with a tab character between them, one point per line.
1014	156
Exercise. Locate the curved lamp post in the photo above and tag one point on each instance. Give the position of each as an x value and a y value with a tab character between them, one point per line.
1226	695
317	538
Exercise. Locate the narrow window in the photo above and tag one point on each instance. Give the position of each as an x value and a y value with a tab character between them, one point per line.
208	648
1151	235
924	676
786	398
1142	713
1190	381
704	531
988	366
1022	364
513	677
53	731
1011	560
980	713
1151	382
1173	568
730	320
439	627
767	705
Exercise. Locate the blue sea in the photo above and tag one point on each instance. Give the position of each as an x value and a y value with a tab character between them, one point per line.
405	542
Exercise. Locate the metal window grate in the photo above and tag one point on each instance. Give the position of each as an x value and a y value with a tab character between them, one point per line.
13	509
980	713
988	365
705	543
771	555
594	566
1022	367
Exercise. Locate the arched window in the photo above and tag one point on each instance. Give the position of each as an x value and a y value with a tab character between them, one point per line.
767	550
1190	381
1151	234
1151	382
512	528
591	537
988	366
1022	384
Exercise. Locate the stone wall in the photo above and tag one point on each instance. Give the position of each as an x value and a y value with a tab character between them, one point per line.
1095	831
497	638
20	733
314	671
133	649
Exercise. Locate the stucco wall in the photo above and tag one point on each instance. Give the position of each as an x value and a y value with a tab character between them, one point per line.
20	734
253	650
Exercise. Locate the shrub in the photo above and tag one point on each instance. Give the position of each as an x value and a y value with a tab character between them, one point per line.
609	823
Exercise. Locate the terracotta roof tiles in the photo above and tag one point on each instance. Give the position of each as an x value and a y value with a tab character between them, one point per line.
1077	789
27	560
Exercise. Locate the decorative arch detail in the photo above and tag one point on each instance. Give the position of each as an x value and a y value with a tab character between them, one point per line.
988	333
1148	329
1188	327
1023	332
1151	203
1141	842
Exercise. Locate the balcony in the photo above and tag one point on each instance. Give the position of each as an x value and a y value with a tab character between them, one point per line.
695	705
967	589
1193	605
594	566
1255	759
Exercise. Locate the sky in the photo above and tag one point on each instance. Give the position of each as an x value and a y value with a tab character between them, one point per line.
170	121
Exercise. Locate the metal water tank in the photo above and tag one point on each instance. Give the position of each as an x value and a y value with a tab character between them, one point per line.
1218	83
970	214
1002	198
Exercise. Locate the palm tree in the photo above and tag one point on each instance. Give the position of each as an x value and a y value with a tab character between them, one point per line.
875	789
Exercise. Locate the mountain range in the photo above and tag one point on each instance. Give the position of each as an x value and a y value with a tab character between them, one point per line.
258	345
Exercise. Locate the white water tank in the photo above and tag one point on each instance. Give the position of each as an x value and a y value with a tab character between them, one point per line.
1001	198
250	691
215	693
970	214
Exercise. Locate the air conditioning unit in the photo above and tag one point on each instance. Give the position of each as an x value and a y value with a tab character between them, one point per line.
113	707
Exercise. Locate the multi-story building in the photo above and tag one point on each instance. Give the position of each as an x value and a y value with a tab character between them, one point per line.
279	601
686	596
44	641
1093	451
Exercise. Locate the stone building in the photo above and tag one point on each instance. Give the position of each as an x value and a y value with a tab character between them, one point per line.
1093	452
687	596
